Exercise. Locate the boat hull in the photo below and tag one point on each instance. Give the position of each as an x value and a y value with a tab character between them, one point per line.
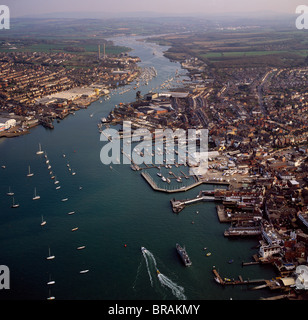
184	256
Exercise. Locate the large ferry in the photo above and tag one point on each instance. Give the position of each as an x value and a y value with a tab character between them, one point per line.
182	252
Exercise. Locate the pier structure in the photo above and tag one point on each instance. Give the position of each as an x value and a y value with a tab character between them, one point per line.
226	281
197	182
155	187
242	231
179	205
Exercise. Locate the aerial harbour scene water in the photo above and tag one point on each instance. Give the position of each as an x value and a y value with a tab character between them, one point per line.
75	228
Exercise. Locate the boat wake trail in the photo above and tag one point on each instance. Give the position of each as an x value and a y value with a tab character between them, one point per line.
151	265
148	256
177	290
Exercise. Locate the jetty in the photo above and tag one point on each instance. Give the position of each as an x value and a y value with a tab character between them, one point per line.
226	281
197	183
242	231
179	205
155	187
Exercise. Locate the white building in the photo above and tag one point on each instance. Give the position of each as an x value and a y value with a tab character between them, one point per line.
267	251
6	124
270	244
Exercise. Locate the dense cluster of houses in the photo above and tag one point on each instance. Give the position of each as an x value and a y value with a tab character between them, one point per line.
257	120
27	78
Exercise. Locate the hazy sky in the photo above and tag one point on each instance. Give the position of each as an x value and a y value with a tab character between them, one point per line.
26	7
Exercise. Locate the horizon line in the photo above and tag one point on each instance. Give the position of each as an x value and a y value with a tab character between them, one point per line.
156	14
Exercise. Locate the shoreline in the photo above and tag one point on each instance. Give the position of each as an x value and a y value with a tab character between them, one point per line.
75	105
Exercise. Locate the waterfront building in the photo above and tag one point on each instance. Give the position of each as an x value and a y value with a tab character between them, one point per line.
270	245
6	124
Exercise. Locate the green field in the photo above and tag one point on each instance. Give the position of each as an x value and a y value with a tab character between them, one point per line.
213	55
238	48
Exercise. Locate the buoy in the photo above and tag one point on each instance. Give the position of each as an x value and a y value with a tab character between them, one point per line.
125	245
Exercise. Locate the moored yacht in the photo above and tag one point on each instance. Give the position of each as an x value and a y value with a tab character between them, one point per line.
10	193
14	205
40	150
36	197
30	174
84	271
50	257
43	222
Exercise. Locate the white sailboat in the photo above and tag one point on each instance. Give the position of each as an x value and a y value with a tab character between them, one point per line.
14	205
81	247
40	150
50	257
84	271
36	197
50	281
43	222
10	193
50	297
30	174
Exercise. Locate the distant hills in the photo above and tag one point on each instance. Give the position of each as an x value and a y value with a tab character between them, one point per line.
264	15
